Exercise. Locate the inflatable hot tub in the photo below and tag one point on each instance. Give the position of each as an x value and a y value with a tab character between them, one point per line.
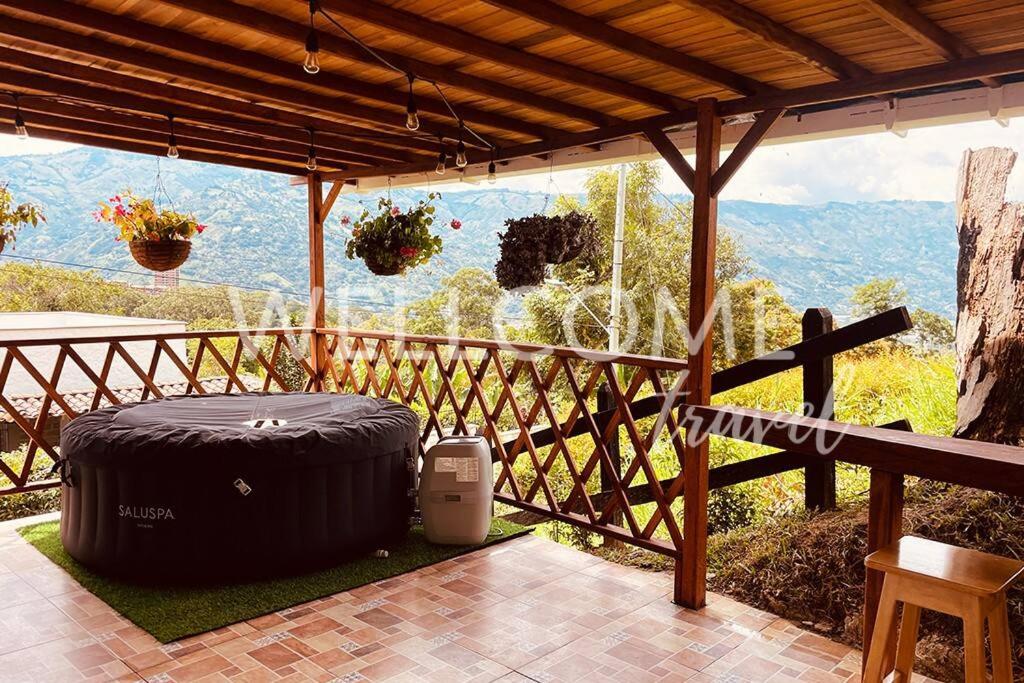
219	487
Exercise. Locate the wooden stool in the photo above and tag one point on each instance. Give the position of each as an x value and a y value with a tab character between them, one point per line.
924	574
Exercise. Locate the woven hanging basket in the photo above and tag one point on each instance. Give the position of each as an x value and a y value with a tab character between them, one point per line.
378	268
160	255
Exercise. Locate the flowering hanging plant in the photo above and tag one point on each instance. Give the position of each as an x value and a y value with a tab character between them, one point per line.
392	241
138	220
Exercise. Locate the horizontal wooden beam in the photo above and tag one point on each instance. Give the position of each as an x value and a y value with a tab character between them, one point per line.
962	71
278	27
912	22
154	150
158	136
584	26
451	38
293	146
987	466
777	36
744	148
83	17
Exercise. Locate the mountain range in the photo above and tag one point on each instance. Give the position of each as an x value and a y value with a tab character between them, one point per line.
816	254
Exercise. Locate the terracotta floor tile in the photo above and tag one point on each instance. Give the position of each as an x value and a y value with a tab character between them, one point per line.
526	610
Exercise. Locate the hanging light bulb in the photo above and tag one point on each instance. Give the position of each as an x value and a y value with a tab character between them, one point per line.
460	150
19	127
19	123
311	156
172	141
442	158
492	173
312	62
412	117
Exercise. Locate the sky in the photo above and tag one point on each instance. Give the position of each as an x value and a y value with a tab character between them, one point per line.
876	167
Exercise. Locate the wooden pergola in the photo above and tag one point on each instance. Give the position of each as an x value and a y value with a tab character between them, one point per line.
510	80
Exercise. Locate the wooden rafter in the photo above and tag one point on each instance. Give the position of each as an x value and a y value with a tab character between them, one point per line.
584	26
271	94
912	22
443	35
273	25
217	53
778	36
671	154
157	135
156	98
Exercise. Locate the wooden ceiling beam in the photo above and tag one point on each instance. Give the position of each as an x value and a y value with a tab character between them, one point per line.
277	27
252	89
78	119
120	91
139	148
894	82
597	31
451	38
218	53
744	148
778	36
910	21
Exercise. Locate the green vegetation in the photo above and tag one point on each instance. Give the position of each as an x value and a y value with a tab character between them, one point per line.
169	613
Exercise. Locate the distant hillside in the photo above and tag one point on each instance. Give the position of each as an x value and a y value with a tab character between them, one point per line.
816	254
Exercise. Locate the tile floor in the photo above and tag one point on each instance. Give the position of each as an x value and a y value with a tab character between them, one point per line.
525	610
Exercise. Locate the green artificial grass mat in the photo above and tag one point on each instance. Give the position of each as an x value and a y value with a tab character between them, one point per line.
170	613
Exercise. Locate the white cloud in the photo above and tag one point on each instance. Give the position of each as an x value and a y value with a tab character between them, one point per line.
12	146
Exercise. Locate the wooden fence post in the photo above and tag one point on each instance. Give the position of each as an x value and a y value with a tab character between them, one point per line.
819	475
606	401
317	295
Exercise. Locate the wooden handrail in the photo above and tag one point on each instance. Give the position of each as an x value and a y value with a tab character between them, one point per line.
522	348
165	336
977	464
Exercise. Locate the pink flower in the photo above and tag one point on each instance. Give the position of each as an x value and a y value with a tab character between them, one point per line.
200	228
408	252
395	211
456	224
345	220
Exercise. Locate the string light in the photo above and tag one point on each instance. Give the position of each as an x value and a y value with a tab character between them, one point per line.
492	169
311	157
312	62
460	151
172	141
19	123
442	159
412	117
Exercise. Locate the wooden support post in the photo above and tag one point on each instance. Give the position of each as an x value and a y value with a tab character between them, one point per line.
317	317
606	401
819	475
691	567
885	526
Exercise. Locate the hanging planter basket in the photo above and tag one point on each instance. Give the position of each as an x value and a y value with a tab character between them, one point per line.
381	268
160	255
392	241
531	242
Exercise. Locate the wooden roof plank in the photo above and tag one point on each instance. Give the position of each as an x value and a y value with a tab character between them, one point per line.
456	39
779	36
915	24
272	25
623	41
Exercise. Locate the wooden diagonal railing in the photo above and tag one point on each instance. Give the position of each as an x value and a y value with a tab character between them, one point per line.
153	365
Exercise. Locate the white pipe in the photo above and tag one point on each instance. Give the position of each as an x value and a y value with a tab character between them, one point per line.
620	223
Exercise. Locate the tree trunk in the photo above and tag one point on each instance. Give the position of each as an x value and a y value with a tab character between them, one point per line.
990	301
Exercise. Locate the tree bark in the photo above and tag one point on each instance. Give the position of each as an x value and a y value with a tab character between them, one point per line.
990	300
